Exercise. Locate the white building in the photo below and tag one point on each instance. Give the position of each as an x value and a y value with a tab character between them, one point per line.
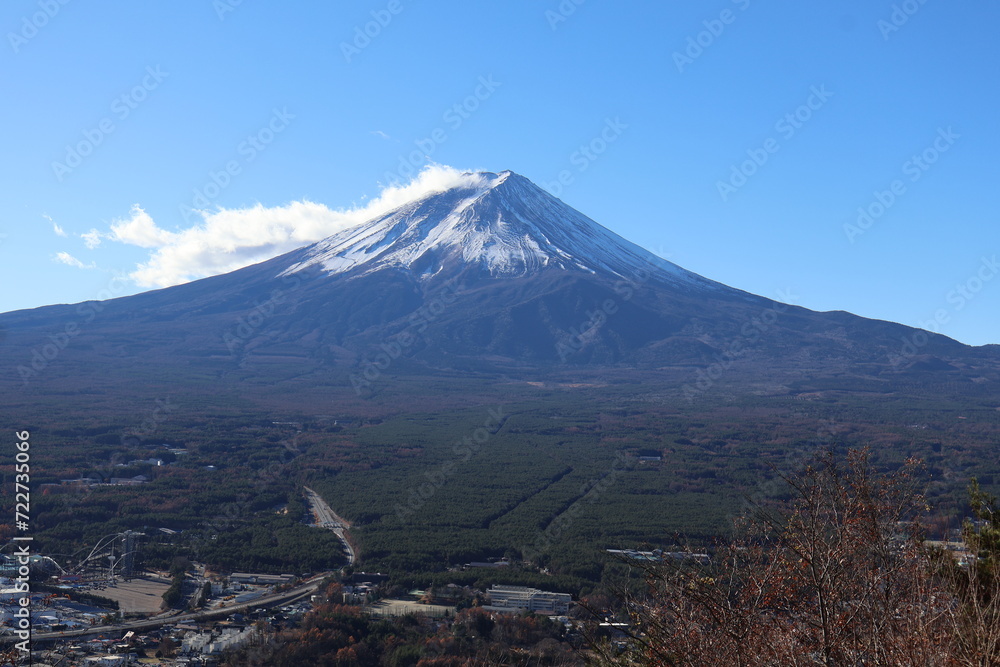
532	599
105	660
212	643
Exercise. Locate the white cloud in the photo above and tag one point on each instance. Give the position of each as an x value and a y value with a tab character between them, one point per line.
91	239
59	231
140	230
229	239
70	260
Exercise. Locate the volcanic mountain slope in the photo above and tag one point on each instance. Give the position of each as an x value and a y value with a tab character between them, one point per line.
500	224
492	273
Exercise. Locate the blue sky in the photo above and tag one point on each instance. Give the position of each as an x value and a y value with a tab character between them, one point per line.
739	139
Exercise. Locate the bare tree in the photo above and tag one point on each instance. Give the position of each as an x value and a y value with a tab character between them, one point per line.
837	575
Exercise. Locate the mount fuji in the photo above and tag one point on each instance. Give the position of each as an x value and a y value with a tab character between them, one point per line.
491	275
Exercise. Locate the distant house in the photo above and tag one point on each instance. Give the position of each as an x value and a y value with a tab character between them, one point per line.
83	481
128	481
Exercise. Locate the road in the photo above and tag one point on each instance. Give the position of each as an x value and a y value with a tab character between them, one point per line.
327	518
304	589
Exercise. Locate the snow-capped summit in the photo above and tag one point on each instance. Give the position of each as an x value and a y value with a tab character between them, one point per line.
502	223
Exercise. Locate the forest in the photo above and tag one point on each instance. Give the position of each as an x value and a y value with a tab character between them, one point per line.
562	475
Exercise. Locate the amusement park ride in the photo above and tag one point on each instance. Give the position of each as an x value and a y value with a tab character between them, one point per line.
113	556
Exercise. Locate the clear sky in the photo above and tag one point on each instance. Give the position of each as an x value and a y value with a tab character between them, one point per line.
166	140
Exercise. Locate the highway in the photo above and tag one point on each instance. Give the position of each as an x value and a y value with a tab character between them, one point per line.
327	518
304	589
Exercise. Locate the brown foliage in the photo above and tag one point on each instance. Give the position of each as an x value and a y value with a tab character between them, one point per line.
836	576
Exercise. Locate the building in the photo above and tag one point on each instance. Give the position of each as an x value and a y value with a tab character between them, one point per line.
106	660
211	643
659	555
532	599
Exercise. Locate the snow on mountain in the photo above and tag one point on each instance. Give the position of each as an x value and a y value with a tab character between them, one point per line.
502	222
